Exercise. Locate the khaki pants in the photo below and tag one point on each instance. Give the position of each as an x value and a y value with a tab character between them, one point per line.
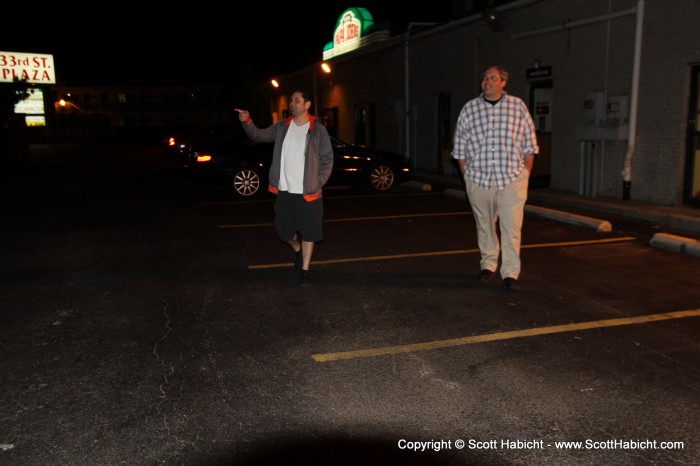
507	207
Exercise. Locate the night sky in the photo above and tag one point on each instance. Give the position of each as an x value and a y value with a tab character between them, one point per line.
199	42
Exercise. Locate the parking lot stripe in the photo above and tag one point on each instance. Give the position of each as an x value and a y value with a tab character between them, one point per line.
326	198
353	219
372	352
444	253
385	217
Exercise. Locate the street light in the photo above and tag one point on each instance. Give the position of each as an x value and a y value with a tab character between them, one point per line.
64	103
76	115
326	69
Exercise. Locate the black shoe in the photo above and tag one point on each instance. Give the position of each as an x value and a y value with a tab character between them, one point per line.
304	278
298	260
511	283
485	275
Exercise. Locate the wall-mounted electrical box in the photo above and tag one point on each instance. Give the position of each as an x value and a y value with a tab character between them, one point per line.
604	120
594	108
617	110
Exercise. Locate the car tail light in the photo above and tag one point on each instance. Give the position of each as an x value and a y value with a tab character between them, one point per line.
202	158
171	142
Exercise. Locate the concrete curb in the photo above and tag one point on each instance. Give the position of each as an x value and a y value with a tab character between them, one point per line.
656	214
602	226
665	241
683	222
675	243
574	219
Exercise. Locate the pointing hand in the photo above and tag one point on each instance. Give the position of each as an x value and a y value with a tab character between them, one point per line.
243	115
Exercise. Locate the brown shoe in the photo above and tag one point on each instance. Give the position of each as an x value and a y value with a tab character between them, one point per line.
485	275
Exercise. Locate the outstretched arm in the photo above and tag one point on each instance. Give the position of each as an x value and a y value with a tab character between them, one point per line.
253	132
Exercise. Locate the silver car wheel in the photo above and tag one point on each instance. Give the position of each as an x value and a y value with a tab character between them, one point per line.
381	177
246	182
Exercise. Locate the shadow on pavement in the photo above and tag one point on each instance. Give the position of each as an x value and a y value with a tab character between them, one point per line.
344	451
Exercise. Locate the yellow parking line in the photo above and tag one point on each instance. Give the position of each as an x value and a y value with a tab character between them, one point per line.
239	202
577	243
327	198
383	195
353	219
248	225
367	353
443	253
385	217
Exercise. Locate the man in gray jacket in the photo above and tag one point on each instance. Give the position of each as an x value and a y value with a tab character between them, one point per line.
302	162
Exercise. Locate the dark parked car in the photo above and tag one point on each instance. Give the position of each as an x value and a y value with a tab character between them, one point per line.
224	154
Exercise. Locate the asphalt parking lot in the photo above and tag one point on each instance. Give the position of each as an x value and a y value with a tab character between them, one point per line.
149	320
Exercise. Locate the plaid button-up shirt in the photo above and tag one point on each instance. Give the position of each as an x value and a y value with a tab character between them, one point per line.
494	140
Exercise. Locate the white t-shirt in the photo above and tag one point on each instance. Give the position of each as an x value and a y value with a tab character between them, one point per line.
292	168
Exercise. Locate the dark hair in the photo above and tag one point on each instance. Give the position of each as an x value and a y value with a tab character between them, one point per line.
501	72
306	96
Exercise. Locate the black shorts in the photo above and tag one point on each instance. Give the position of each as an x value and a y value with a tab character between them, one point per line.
293	214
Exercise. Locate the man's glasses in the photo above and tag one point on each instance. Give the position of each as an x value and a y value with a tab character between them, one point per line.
492	78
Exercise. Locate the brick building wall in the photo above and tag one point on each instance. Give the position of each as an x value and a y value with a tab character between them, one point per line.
589	46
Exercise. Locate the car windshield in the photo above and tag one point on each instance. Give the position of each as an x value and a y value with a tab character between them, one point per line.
337	142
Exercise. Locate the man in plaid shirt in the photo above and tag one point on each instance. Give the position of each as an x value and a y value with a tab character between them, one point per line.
495	144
